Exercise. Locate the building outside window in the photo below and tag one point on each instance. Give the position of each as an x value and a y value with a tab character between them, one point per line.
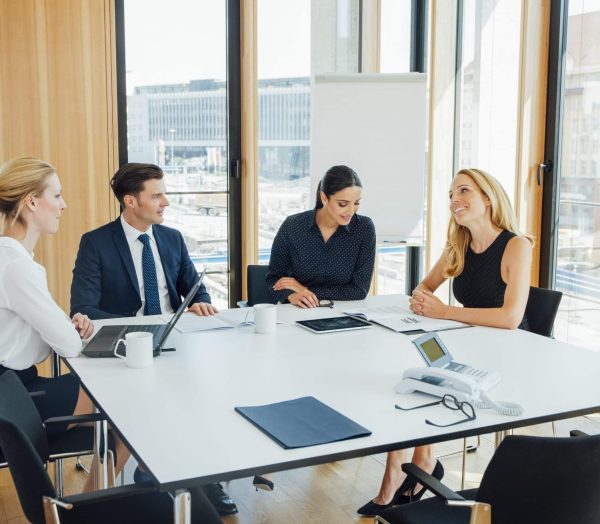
578	252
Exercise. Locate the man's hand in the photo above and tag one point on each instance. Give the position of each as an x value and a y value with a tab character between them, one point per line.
203	309
83	325
304	298
288	283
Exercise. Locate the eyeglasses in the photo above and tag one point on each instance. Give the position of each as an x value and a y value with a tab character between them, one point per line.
326	303
450	402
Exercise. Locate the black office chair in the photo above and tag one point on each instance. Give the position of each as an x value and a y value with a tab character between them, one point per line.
540	311
23	440
542	307
258	291
76	442
528	480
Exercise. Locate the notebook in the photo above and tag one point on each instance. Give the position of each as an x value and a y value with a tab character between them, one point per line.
302	422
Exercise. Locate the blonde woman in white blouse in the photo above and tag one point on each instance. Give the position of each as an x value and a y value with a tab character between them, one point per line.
31	205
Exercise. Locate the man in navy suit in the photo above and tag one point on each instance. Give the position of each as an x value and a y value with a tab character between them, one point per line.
135	266
108	278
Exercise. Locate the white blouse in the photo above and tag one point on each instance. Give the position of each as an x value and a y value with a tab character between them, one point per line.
30	321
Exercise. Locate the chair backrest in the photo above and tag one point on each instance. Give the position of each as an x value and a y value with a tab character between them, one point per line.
19	423
541	309
258	291
543	479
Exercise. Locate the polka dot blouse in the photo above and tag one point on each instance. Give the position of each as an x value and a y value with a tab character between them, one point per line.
339	269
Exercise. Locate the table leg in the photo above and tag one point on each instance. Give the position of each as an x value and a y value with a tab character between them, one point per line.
58	464
182	507
100	453
501	435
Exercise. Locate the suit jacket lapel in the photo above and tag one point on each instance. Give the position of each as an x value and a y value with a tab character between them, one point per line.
125	253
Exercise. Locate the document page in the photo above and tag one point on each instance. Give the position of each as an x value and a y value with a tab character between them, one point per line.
190	322
401	319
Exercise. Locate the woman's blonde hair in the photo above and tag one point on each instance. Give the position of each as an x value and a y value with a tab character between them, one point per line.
20	178
502	214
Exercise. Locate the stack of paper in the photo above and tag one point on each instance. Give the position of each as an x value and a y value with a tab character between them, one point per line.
190	322
402	320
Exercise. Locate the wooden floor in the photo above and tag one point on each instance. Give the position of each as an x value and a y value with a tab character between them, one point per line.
330	493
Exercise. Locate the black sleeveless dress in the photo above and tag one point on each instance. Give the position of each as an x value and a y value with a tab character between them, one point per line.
480	284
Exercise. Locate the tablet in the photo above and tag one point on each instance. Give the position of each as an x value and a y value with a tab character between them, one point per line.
329	325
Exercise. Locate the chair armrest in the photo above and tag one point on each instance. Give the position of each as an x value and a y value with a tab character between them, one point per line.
432	484
577	433
76	419
95	497
34	394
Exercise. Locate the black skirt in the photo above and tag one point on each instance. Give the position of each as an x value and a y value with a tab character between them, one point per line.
59	400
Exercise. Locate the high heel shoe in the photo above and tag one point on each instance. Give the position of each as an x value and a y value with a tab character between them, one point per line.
260	482
401	498
372	509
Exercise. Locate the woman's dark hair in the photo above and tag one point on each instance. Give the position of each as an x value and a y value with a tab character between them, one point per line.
130	178
336	179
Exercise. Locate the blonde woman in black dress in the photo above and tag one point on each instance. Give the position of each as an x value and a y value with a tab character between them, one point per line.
489	261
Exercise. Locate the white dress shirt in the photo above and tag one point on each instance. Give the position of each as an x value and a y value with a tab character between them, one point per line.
31	322
136	247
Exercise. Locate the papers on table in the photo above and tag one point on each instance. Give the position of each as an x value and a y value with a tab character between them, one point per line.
190	323
402	320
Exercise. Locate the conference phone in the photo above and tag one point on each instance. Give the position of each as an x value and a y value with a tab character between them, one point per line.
443	375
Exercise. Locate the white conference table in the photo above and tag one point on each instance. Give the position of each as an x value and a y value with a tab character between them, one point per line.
178	416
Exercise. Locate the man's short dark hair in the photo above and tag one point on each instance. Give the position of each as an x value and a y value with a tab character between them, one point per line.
130	178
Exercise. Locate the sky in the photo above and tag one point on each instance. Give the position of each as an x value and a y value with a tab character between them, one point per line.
187	40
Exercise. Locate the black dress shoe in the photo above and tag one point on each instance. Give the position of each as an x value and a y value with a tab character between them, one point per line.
401	498
372	509
219	499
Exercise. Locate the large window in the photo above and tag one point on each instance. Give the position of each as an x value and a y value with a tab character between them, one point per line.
395	54
487	93
322	39
395	36
578	235
176	62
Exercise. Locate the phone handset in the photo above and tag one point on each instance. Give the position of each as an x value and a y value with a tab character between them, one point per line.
438	382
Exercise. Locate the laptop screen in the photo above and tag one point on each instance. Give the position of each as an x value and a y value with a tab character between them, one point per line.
186	302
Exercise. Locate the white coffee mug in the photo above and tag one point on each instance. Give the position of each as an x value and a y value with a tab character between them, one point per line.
265	318
138	349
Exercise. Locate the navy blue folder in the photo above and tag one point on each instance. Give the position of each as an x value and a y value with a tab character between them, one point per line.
302	422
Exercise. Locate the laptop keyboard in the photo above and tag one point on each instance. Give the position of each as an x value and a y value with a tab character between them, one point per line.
154	329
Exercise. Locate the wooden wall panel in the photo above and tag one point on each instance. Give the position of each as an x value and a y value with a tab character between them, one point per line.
248	13
58	103
442	66
532	122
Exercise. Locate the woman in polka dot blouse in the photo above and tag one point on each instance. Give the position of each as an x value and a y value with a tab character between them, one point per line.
326	253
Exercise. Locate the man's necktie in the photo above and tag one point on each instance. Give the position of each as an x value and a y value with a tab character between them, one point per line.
152	306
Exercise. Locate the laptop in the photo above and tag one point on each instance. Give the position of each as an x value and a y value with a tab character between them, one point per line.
436	354
102	345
